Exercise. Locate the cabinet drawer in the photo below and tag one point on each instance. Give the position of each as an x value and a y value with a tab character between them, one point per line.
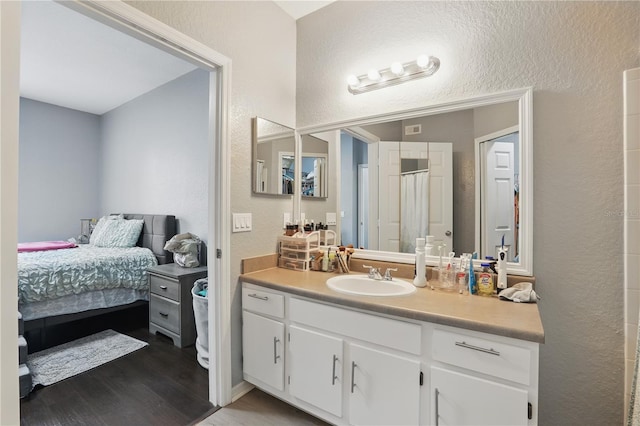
482	355
165	313
400	335
263	302
164	287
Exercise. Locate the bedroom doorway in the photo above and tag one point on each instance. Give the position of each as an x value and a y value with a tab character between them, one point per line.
129	20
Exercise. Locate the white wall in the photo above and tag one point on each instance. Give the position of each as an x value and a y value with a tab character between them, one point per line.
260	39
58	171
155	156
573	54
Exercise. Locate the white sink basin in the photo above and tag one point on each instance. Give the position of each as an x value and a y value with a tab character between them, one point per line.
364	286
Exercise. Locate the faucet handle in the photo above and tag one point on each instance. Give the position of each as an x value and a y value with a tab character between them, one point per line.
372	271
387	274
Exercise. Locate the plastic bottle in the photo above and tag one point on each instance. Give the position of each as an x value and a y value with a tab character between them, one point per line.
473	289
325	261
420	279
485	281
502	269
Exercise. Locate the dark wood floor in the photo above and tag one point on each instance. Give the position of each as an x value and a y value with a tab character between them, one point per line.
157	385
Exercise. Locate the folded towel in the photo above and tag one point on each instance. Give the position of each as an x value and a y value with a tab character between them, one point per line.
521	292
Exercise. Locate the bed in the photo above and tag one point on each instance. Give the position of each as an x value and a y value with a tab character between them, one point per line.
64	285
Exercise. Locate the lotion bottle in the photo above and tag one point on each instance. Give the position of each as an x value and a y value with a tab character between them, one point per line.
420	279
502	269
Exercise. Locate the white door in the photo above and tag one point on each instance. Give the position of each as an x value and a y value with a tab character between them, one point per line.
363	205
263	350
497	197
389	196
440	156
462	399
384	388
315	369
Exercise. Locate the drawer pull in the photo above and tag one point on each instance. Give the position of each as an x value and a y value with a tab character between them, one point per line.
478	348
353	376
436	407
275	350
163	315
333	375
255	296
163	287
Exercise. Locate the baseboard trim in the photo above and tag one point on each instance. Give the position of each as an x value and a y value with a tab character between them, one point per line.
240	390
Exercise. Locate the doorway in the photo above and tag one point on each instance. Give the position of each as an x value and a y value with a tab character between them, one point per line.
129	20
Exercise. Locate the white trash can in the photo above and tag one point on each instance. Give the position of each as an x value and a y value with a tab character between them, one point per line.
201	317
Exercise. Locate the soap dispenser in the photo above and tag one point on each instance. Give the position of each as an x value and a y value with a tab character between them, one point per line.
502	269
420	279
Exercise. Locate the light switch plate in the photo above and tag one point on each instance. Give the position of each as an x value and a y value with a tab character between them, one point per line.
242	222
331	218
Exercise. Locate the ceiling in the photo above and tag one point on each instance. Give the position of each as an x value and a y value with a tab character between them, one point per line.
71	60
298	9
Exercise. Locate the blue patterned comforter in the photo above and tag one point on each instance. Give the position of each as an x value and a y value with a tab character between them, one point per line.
45	275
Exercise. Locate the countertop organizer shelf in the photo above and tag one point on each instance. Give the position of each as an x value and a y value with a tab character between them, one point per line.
295	252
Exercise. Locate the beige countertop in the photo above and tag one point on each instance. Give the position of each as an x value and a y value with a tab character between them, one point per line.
477	313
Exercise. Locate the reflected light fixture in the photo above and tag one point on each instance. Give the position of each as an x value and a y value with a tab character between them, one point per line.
397	73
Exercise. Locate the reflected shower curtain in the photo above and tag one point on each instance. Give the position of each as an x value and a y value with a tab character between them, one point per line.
414	209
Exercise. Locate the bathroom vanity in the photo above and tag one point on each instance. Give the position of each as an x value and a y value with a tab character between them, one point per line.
428	358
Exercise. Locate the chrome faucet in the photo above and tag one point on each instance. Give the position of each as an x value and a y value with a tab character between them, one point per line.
374	273
387	274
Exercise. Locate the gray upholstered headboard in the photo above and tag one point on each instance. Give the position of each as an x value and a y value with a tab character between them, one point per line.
157	229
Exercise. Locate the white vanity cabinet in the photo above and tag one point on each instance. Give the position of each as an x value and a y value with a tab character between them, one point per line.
482	380
263	338
353	367
315	362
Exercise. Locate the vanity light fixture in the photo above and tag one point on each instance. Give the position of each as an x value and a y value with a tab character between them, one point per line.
397	73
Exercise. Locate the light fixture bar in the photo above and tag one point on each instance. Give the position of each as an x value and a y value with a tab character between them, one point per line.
393	75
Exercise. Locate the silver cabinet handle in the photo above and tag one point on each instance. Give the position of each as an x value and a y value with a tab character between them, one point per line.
436	409
333	375
163	287
275	350
353	374
255	296
478	348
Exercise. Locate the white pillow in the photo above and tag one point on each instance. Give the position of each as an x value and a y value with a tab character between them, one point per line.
119	233
98	228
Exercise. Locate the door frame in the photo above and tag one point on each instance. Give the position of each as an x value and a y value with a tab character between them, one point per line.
478	162
134	22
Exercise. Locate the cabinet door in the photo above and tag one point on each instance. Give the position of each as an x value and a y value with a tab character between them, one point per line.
384	388
462	399
315	369
262	349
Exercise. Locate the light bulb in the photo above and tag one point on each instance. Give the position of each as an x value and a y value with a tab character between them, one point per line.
422	61
352	80
397	68
373	75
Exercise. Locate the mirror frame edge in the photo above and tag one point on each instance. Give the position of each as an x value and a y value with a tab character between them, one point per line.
524	96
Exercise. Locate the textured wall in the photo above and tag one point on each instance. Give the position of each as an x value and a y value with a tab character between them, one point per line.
260	39
573	54
58	170
154	154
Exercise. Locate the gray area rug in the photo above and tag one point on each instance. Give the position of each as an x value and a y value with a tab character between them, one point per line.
61	362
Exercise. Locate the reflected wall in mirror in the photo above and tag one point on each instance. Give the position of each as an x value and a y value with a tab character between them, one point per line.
273	158
433	167
315	166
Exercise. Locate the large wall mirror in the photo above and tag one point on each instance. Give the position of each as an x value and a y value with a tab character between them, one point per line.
460	171
273	158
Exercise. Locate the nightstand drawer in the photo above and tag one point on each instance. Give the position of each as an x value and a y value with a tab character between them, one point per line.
165	313
164	287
